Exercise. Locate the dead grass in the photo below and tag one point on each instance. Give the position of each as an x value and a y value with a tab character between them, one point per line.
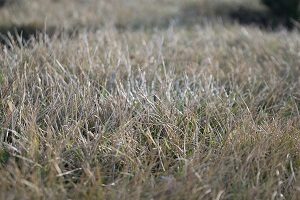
208	112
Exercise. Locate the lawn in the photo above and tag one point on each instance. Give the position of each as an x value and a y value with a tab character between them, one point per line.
140	99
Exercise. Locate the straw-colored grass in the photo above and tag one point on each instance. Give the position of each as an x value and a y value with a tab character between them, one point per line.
201	112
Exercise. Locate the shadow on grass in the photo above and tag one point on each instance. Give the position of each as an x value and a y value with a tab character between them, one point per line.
17	33
265	20
199	14
22	35
235	13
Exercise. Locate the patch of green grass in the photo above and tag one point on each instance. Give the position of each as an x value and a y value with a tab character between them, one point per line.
1	78
4	157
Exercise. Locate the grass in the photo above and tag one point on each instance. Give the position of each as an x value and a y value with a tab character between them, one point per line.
207	111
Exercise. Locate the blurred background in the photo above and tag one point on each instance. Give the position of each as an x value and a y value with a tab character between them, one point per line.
29	16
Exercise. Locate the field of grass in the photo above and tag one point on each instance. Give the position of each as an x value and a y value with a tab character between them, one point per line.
146	99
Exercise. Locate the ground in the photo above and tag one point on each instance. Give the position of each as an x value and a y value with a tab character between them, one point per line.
140	99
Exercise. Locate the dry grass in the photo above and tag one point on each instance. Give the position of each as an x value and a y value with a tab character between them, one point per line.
206	112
